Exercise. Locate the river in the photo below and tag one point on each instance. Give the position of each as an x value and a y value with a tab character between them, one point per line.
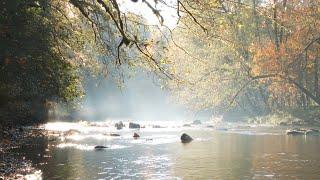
238	152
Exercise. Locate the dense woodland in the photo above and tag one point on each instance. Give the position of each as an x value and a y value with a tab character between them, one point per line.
260	57
248	57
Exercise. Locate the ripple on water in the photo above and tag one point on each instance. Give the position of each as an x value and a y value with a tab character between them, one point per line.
203	139
87	147
144	167
79	137
153	167
252	133
115	146
76	146
153	160
156	139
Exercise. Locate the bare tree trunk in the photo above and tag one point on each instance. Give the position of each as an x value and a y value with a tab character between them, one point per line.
305	91
300	81
316	78
281	28
275	25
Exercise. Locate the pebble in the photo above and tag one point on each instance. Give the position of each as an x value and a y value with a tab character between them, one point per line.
12	165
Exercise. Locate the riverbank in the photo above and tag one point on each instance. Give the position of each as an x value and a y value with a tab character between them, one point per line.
14	165
290	117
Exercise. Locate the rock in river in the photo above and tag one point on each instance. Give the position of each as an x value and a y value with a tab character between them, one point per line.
303	132
185	138
134	126
136	135
100	147
295	132
119	125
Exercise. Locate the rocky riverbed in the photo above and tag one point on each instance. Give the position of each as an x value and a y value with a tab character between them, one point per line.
12	164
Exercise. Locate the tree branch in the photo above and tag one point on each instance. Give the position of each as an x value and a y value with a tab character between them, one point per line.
191	15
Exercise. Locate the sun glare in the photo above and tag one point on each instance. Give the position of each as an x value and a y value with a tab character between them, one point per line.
168	12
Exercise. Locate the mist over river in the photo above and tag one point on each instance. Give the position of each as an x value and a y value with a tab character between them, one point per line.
238	152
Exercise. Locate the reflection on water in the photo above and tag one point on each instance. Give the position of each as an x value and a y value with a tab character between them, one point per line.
236	153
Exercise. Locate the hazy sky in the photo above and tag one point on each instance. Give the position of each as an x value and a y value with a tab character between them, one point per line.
169	14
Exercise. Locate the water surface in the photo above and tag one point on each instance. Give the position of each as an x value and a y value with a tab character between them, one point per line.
241	152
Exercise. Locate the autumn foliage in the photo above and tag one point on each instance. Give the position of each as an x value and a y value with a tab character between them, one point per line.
271	47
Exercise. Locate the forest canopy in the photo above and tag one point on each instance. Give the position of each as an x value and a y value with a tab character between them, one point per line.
250	56
256	56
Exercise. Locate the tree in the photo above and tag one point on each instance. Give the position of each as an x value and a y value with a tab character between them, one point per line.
49	47
272	49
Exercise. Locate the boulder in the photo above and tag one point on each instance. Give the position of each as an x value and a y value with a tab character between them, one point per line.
296	132
136	135
100	147
134	126
119	125
185	138
210	126
196	122
186	125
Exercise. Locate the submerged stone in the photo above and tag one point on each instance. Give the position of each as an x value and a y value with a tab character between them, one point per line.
185	138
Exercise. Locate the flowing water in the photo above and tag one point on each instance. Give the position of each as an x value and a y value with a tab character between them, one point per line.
241	152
